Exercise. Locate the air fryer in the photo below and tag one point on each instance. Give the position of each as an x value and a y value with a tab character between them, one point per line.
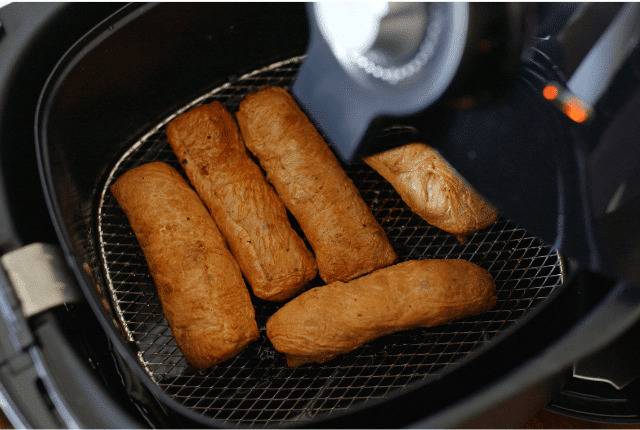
87	90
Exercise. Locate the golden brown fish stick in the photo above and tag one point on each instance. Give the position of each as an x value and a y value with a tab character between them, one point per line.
347	240
432	190
323	322
246	209
203	295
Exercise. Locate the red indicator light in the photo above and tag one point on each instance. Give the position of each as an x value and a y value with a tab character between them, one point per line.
550	92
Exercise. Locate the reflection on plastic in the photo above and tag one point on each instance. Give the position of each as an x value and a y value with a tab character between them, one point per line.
575	110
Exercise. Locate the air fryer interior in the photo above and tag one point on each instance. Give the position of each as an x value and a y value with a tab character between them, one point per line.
257	387
104	112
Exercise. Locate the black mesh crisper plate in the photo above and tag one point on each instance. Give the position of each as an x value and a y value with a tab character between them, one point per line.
257	387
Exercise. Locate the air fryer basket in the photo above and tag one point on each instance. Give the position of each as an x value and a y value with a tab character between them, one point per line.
256	387
103	111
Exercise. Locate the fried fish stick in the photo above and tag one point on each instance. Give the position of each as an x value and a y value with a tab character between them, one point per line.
347	240
203	295
432	190
324	322
246	209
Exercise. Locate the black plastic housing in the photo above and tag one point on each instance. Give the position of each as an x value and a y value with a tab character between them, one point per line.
128	72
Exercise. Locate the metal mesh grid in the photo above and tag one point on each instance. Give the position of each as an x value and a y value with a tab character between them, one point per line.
257	387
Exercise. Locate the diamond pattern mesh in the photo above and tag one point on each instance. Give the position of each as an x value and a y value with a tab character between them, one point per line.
257	387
